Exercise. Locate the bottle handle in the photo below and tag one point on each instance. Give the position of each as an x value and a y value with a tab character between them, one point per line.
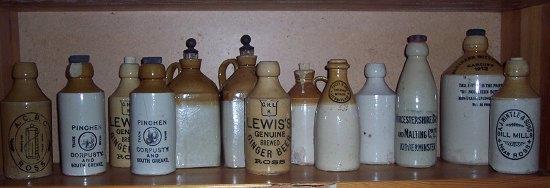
170	71
223	68
320	79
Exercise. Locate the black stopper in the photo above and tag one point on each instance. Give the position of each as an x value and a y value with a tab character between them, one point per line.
417	38
245	40
151	60
79	59
475	32
190	43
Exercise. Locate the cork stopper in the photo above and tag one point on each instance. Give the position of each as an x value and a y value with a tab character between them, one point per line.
375	70
25	70
337	64
246	49
79	67
417	38
129	69
516	67
304	72
190	52
152	68
268	69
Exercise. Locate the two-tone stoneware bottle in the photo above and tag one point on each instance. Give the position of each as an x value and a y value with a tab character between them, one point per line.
304	96
514	139
337	133
119	113
234	91
376	104
152	122
268	125
198	129
81	116
26	126
416	108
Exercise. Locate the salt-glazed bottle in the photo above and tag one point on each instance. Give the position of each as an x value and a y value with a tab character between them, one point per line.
376	105
268	125
304	96
337	133
466	90
26	126
515	123
81	113
198	128
416	108
234	91
119	113
152	122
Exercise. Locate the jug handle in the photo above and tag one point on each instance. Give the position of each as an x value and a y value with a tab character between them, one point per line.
170	71
223	68
320	79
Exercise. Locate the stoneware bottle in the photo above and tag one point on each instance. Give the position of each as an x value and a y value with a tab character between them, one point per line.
81	113
198	128
267	146
153	122
26	126
234	90
515	123
466	90
337	134
376	104
119	114
416	108
304	96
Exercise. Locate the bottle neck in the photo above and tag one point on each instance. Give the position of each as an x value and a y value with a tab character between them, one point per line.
29	85
337	74
375	80
81	81
152	86
268	81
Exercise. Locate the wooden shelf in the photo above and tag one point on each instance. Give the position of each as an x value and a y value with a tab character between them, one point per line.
443	174
353	5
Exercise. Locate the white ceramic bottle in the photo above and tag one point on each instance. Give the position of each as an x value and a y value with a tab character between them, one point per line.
416	108
376	104
153	122
337	134
81	113
515	123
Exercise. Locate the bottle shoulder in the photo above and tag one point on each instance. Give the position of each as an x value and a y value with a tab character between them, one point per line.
192	83
239	84
304	91
375	88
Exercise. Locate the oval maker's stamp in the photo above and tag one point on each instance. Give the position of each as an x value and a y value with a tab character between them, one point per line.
29	143
339	92
515	134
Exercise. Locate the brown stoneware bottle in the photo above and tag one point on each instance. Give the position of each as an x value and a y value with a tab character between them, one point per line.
197	112
26	126
268	135
234	90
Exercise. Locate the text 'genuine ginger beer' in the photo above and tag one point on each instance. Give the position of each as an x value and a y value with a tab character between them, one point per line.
416	108
26	126
515	123
268	125
466	90
81	113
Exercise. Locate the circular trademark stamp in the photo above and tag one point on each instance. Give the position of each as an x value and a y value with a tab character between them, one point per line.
87	141
339	92
152	136
514	134
30	142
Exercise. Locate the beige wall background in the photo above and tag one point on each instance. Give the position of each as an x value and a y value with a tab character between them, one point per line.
290	37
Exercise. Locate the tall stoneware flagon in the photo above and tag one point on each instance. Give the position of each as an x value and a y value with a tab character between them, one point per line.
514	139
466	90
304	96
376	104
198	126
26	126
234	90
119	114
152	122
268	125
337	134
81	113
416	108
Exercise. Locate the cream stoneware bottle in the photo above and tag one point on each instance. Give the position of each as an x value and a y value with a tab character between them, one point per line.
304	96
153	122
197	112
416	109
376	104
268	125
119	114
337	133
515	123
81	113
26	126
234	91
466	90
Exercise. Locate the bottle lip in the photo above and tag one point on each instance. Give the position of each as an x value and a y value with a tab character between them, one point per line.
417	38
129	60
475	32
